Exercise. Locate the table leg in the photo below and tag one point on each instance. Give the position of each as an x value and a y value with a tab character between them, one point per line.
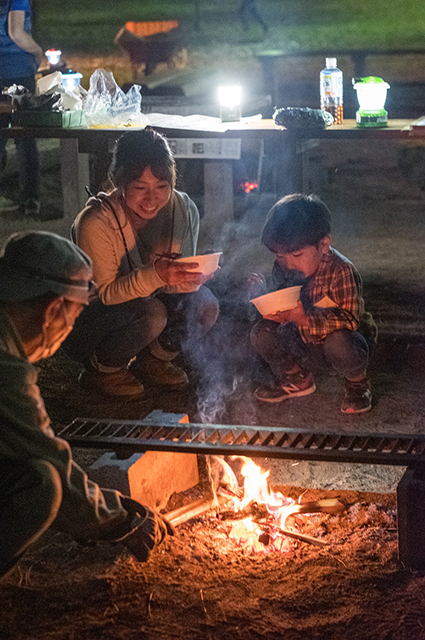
269	78
218	199
75	177
411	518
289	170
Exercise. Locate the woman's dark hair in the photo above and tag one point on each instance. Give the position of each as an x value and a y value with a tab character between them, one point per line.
137	150
296	221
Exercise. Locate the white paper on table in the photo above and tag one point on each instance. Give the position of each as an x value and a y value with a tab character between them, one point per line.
194	122
325	303
420	122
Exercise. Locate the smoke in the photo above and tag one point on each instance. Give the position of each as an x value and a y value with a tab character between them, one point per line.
224	360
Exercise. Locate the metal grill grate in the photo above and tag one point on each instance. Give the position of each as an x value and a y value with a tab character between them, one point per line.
130	436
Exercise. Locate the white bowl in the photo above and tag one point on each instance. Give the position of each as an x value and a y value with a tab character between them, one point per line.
208	263
281	300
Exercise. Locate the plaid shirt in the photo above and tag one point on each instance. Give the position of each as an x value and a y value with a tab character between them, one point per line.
337	278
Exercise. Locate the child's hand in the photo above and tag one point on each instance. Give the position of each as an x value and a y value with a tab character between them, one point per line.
296	315
256	285
256	278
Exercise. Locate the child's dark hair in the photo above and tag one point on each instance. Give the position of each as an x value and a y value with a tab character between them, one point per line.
136	151
294	222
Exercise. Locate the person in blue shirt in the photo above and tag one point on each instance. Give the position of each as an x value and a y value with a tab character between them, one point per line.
20	57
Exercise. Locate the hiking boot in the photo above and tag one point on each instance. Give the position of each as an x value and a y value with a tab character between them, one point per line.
358	397
294	385
157	372
120	383
31	207
7	205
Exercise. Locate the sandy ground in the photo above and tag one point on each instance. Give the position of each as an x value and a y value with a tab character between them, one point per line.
200	584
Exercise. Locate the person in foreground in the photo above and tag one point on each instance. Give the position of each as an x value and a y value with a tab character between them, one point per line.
329	328
148	306
44	284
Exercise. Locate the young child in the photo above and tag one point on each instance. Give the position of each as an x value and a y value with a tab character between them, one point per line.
328	329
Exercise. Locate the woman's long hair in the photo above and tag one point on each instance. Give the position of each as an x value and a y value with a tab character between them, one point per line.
136	151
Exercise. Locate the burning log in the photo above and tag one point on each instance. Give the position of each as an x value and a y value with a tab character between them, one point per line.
268	528
270	511
188	511
329	505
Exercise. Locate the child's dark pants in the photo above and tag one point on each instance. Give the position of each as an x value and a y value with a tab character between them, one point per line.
344	352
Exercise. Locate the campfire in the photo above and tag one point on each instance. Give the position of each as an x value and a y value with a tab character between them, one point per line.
260	520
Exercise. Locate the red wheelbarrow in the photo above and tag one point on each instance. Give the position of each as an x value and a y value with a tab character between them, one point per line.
148	43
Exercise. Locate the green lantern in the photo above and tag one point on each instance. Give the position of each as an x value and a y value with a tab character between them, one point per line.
371	94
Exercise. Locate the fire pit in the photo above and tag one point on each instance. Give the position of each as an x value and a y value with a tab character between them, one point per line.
260	515
128	436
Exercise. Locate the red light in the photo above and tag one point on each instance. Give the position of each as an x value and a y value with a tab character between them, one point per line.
249	186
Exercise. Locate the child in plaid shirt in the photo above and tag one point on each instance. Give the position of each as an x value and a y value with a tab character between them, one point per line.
329	328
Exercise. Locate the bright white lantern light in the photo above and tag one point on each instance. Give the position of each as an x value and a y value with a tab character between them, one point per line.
230	102
230	95
53	56
71	80
372	96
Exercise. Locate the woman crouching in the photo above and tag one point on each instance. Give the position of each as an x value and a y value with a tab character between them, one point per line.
147	306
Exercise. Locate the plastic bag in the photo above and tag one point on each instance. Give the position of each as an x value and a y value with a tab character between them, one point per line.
24	100
106	104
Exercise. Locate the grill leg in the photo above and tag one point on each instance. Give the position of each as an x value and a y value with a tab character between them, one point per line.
411	518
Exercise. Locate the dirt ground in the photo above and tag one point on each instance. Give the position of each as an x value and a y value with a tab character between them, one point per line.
200	584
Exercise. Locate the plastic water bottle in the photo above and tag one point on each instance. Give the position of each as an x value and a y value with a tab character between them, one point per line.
331	90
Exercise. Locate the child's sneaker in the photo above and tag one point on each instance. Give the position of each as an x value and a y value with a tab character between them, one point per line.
295	385
358	397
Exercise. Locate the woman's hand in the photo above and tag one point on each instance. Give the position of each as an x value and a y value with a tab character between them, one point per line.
175	273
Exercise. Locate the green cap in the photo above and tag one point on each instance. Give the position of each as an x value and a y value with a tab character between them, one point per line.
33	263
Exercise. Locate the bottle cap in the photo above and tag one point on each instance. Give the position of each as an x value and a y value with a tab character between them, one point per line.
330	63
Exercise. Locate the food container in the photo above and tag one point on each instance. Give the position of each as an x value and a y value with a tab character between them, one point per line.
71	80
208	263
63	119
281	300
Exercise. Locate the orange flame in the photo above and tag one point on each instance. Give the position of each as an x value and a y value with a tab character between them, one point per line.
256	489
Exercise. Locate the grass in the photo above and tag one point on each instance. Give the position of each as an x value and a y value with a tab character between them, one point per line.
79	25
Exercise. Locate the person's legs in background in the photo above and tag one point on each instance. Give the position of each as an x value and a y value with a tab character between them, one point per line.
7	205
28	158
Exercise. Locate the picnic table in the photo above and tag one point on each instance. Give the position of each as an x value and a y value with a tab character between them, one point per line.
287	148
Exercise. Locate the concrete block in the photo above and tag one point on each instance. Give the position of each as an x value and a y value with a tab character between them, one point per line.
345	476
150	477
